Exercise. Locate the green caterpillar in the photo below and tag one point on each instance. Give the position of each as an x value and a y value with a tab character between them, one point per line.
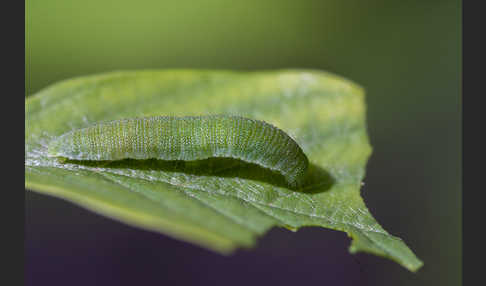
186	138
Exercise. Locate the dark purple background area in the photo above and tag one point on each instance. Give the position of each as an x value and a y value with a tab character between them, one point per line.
98	251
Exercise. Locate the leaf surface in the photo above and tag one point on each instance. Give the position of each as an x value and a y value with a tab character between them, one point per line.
220	204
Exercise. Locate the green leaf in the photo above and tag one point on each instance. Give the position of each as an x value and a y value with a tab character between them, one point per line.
221	204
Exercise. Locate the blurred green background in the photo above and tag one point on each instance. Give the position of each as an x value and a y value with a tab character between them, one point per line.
406	54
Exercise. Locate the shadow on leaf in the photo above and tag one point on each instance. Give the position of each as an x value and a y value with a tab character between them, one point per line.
316	180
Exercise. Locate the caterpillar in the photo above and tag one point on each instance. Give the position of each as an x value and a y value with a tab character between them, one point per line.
186	138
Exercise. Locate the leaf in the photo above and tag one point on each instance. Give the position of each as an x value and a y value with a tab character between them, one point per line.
221	204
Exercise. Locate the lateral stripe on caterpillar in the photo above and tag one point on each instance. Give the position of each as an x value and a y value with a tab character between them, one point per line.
186	138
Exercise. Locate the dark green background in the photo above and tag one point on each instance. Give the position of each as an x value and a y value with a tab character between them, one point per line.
406	54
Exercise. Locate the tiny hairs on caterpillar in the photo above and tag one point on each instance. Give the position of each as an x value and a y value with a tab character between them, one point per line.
186	138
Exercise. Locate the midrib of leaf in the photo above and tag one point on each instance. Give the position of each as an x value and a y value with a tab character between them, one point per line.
254	202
